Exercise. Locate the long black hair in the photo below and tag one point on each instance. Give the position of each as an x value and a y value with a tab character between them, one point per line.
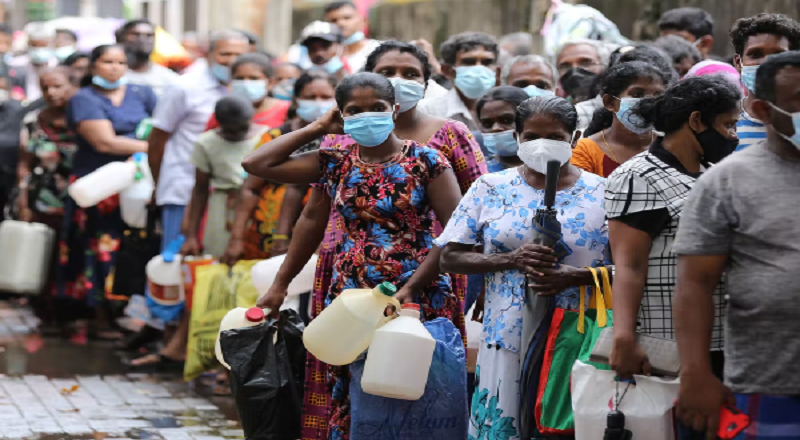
614	82
382	87
97	52
553	106
707	95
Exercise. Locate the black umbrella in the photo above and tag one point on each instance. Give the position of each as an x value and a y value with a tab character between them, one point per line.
538	310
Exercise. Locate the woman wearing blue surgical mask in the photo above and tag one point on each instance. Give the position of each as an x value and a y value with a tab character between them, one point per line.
250	75
105	115
266	211
497	214
615	133
496	112
386	192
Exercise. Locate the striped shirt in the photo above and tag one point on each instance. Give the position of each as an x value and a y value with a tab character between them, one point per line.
750	131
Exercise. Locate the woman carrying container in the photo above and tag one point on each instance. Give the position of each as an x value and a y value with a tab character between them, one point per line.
385	191
105	114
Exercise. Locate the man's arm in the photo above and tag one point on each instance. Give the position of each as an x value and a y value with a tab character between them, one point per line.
155	151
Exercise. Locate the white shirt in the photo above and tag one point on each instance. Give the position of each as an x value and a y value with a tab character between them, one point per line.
357	60
449	106
184	111
158	78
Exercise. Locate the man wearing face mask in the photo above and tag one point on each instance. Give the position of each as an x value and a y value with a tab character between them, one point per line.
138	37
39	58
470	61
741	219
180	116
754	39
65	43
322	42
578	63
356	47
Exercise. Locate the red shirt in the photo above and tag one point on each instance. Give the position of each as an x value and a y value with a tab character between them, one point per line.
273	117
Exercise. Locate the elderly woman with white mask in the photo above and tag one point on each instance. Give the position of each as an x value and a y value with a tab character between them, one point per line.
497	213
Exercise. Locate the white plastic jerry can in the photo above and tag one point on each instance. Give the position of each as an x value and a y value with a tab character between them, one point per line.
239	317
134	199
399	357
345	328
25	251
264	272
106	181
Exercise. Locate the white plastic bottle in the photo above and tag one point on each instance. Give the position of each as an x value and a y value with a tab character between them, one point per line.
399	357
345	328
239	317
134	199
25	251
264	272
106	181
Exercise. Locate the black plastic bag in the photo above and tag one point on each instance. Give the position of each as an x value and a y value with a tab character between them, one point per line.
267	371
137	248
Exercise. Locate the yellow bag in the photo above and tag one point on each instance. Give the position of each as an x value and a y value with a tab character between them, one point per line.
217	290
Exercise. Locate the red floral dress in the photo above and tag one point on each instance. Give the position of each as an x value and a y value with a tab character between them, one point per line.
388	232
463	153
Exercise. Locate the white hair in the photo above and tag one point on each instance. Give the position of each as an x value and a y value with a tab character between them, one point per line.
226	35
529	60
40	31
602	50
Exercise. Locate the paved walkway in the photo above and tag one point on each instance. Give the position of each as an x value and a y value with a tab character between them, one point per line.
52	389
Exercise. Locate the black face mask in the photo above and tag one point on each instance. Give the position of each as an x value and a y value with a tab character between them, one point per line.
715	145
577	83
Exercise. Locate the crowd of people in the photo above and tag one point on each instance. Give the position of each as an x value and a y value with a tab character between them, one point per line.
679	172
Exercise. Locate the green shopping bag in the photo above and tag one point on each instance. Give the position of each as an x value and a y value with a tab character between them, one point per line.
572	337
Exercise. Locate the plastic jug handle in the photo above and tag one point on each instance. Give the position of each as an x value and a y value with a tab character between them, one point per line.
393	301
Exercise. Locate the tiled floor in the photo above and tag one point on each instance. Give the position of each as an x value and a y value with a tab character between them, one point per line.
52	389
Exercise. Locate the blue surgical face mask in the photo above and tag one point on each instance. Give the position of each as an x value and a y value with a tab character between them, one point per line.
369	129
284	90
310	110
40	55
103	83
407	93
221	73
63	52
534	91
474	81
252	90
795	138
631	121
749	77
353	39
501	144
334	65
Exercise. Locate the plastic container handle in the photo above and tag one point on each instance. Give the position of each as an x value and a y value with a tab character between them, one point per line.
393	301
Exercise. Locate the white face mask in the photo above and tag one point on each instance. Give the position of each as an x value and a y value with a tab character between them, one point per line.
536	154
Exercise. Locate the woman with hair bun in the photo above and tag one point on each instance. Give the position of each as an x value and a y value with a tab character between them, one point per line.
644	201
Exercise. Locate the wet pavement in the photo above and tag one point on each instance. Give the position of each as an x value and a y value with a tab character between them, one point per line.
53	389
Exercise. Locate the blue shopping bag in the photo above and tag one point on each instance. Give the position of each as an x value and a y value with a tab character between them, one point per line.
440	414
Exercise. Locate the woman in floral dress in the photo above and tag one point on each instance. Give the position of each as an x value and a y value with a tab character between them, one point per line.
104	114
497	213
407	64
385	191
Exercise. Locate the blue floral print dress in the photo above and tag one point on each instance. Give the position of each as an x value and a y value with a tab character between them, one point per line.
496	213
